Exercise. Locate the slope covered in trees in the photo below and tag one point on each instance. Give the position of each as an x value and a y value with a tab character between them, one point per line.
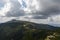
22	30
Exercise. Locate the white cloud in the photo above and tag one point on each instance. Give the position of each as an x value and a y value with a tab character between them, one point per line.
6	8
47	8
30	5
5	19
56	18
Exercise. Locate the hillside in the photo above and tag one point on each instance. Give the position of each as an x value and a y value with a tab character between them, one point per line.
23	30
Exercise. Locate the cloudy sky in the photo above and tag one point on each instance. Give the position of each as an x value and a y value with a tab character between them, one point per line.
39	11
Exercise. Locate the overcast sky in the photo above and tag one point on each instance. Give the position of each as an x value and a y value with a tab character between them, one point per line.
39	11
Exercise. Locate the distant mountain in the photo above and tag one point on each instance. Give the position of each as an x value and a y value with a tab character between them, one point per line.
54	24
23	30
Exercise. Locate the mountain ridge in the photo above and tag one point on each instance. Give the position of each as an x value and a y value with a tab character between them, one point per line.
23	30
37	26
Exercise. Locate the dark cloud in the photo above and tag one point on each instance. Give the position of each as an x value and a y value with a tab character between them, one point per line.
37	17
49	8
46	13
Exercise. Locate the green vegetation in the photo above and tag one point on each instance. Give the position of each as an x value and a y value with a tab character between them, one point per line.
20	30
